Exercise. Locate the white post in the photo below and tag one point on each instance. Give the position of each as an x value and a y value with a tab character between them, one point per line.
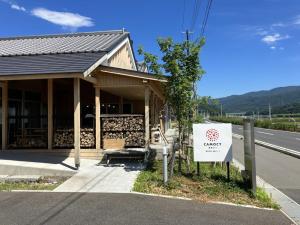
147	125
97	118
165	164
77	122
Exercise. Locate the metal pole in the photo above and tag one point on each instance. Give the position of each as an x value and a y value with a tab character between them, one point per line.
249	153
198	169
270	112
228	170
165	165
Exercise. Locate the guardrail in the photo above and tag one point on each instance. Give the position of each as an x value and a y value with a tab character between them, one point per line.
286	151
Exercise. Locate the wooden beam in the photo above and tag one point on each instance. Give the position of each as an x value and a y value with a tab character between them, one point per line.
147	126
40	76
92	80
97	118
77	122
121	86
131	73
152	109
50	113
157	92
4	114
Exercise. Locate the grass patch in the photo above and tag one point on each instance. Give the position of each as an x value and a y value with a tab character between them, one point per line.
44	183
211	185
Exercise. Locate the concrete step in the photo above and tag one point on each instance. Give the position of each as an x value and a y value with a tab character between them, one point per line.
16	170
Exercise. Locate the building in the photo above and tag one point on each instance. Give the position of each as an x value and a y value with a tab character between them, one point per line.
76	94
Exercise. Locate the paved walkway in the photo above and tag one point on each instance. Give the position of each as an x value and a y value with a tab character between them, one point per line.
99	178
39	164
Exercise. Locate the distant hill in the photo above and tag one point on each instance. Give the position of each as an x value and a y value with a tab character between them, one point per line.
282	97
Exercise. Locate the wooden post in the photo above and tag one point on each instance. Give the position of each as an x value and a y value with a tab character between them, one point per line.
147	127
77	122
50	113
97	118
152	109
4	114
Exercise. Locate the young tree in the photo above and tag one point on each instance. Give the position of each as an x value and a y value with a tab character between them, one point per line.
180	61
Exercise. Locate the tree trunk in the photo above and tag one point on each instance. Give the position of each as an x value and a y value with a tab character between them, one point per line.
172	162
180	149
188	162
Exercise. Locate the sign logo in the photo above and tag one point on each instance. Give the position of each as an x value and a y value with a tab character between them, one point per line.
212	135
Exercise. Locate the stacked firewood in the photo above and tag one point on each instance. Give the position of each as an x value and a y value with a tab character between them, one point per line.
134	123
113	135
87	138
64	138
113	124
130	128
134	139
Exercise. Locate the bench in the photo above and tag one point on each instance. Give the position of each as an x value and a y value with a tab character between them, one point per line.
127	153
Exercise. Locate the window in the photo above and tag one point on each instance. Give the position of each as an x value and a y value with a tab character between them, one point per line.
127	108
112	108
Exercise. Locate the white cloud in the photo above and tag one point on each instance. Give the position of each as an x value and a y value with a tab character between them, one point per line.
64	19
14	5
273	48
261	32
297	20
272	39
17	7
279	24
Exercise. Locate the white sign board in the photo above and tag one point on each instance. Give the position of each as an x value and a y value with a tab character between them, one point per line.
212	142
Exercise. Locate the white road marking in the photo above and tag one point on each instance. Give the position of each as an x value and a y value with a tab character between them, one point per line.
264	133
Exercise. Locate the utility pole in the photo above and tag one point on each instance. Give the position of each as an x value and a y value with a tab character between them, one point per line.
187	35
270	112
221	110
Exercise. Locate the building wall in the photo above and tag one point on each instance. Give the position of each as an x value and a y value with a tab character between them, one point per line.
122	59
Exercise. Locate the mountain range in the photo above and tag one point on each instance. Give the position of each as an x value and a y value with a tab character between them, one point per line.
281	99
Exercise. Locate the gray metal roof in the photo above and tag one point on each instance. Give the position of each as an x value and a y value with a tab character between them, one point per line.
46	64
61	43
62	53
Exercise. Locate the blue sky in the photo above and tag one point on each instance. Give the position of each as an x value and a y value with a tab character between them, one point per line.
251	44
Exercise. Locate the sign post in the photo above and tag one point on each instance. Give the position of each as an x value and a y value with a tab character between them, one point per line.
213	143
249	153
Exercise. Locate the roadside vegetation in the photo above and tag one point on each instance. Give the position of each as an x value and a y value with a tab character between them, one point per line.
44	183
286	124
210	186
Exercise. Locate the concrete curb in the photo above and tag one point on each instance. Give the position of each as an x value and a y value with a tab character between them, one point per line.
273	147
190	199
161	196
33	191
289	207
239	205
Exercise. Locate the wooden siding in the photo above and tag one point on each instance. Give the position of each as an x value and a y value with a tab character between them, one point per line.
122	59
109	80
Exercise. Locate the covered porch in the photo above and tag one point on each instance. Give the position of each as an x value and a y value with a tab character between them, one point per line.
79	116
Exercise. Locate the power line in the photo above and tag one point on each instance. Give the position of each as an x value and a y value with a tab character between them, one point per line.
195	14
207	10
183	15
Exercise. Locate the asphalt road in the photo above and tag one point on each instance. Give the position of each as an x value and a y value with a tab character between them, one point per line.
290	140
278	169
96	208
